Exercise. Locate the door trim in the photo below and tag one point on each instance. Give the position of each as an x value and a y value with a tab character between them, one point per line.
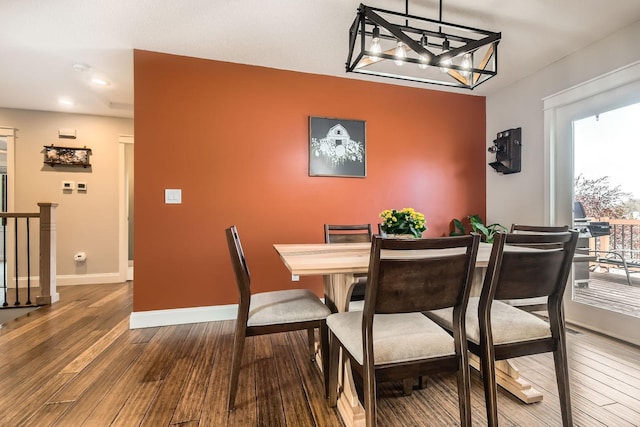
123	239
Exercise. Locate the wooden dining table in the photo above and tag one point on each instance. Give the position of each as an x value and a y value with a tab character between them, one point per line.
340	263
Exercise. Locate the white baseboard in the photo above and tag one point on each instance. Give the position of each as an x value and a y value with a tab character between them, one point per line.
181	316
605	331
88	279
71	279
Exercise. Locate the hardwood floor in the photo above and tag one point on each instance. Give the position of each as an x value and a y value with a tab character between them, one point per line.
76	363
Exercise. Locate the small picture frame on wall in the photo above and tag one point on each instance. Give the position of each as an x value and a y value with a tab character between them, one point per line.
67	156
337	147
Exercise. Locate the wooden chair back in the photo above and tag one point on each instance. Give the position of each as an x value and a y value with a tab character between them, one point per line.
539	228
358	233
529	265
240	267
414	275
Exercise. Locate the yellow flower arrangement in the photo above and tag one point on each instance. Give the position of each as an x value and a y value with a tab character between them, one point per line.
404	221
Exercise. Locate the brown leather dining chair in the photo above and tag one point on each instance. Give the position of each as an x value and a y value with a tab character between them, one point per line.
272	312
391	338
358	233
499	331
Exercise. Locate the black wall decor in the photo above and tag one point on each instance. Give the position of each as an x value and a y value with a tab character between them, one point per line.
506	147
337	147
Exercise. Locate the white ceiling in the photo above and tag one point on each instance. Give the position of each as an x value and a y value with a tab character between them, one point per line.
40	41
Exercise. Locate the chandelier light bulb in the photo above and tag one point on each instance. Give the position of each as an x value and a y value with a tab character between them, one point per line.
466	65
400	54
466	61
446	63
375	47
423	61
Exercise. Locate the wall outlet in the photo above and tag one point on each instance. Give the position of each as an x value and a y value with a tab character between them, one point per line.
295	278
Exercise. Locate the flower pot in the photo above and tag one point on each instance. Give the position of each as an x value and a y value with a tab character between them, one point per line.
398	236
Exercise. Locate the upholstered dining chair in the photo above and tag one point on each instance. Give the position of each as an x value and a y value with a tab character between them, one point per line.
498	331
391	338
357	233
272	312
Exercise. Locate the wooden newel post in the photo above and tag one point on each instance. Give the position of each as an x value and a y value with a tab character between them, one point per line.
48	290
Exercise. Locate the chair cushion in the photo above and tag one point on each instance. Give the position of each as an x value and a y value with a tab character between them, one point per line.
356	306
289	306
396	337
508	324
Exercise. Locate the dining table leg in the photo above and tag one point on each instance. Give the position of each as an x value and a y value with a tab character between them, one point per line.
338	289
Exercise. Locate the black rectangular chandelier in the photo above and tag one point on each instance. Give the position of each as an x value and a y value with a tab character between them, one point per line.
402	46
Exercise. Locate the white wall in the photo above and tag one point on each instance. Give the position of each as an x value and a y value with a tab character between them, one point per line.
520	198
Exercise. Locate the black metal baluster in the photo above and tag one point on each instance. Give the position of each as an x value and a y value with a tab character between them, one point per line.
4	255
16	255
28	266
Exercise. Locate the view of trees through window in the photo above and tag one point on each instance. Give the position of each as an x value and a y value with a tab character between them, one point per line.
607	154
607	175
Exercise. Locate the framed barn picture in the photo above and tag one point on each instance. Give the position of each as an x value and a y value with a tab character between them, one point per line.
337	147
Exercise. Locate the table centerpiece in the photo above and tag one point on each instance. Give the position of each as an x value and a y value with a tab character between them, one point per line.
406	222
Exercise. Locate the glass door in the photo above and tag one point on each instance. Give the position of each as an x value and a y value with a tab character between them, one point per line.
579	145
607	209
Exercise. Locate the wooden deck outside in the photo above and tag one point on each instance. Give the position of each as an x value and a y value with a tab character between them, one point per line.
611	292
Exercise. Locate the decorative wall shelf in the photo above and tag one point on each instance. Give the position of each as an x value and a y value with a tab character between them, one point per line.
66	156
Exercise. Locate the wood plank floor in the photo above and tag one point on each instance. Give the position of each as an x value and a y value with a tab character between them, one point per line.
76	363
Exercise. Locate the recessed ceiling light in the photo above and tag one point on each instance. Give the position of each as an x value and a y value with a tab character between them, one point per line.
81	68
100	81
65	101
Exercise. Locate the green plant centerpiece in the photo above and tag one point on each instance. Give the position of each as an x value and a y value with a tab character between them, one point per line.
404	221
487	232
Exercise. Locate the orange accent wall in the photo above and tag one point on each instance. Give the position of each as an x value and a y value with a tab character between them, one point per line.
235	139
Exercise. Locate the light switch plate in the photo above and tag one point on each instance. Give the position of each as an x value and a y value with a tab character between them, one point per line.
82	186
68	185
172	196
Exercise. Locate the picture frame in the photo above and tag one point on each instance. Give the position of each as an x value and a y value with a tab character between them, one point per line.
67	156
337	147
